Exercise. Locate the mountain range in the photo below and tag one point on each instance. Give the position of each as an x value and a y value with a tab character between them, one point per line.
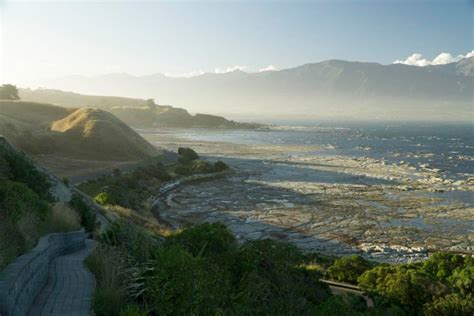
330	89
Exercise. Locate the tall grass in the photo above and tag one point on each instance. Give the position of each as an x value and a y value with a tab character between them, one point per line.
112	277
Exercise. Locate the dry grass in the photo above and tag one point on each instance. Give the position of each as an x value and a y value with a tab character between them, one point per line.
17	238
83	133
63	219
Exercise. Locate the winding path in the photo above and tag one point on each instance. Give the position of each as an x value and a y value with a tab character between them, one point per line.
69	288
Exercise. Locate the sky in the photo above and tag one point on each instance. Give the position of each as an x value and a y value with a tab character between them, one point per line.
49	39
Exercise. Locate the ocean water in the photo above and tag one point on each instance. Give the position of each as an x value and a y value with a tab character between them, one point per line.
448	147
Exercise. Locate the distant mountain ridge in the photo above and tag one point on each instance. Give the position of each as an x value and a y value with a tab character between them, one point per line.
333	88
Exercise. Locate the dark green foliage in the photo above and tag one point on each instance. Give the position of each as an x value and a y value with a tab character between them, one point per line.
398	284
178	283
203	271
183	170
129	190
451	304
187	155
463	279
443	284
156	170
9	92
441	265
348	305
201	166
205	240
88	218
17	199
21	169
220	166
348	269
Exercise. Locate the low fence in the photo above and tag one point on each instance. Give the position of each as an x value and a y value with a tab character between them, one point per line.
23	279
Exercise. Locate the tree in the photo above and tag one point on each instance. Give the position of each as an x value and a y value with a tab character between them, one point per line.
151	104
9	92
348	269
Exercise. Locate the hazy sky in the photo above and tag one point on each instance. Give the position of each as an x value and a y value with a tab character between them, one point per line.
51	39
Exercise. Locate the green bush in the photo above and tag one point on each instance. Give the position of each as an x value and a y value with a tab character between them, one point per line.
183	170
451	304
348	269
21	169
400	285
109	269
178	283
201	166
17	199
156	170
462	279
88	217
205	239
102	198
441	265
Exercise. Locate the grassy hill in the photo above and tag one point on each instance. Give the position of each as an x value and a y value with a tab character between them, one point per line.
70	132
132	111
71	99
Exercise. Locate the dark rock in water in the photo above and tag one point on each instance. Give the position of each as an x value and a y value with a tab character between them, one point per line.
187	154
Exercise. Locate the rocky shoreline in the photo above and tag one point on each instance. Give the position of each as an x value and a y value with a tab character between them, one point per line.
333	204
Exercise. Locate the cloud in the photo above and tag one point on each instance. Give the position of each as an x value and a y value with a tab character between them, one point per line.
269	68
442	59
230	69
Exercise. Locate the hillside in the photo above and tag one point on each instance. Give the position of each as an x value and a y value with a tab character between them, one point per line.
132	111
329	89
79	133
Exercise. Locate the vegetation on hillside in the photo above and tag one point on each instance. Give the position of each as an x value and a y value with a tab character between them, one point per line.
76	133
9	92
130	193
202	270
138	113
27	210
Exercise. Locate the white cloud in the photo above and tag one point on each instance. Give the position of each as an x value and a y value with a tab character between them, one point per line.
442	59
269	68
230	69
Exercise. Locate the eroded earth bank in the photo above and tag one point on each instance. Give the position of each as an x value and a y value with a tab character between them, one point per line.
333	204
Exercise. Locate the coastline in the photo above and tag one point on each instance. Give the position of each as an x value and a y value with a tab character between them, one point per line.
332	204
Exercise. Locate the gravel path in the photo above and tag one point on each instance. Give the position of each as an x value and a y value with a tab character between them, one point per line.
69	288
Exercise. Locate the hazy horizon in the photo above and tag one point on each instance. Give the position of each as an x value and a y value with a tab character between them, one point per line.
190	54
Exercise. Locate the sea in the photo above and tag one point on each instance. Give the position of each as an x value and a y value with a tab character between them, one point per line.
448	148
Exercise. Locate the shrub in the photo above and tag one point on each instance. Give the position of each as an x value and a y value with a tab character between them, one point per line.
102	198
109	269
441	265
17	199
401	285
463	279
205	239
183	170
177	283
348	269
201	166
88	217
21	169
63	219
451	304
187	155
